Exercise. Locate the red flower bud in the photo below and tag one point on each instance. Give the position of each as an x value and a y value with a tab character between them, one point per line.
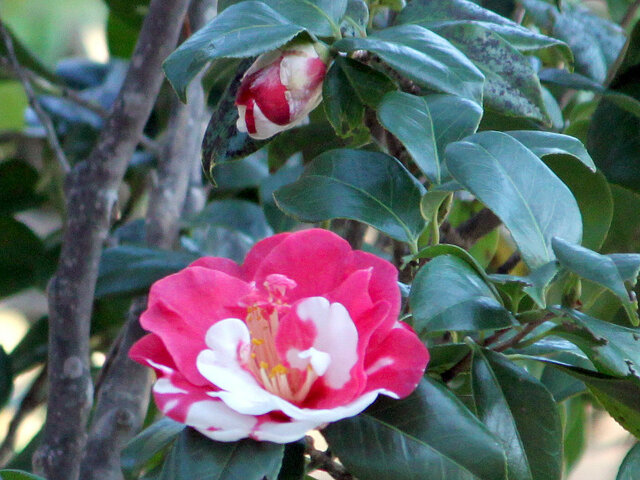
279	90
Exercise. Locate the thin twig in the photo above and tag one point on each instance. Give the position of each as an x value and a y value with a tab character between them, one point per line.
92	190
630	14
50	130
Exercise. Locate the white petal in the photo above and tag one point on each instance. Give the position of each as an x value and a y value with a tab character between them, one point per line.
337	336
164	386
293	73
221	366
228	425
265	128
241	124
326	415
319	361
283	432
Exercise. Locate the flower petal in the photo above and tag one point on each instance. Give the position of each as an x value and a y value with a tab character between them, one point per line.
221	365
224	265
282	432
183	306
397	363
217	421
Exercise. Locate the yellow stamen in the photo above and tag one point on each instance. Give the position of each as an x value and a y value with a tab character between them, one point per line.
278	370
253	355
257	341
264	365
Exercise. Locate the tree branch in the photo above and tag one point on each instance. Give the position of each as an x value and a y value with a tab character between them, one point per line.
323	461
123	394
52	137
91	195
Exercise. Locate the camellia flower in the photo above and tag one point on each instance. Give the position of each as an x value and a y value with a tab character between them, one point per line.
304	333
280	89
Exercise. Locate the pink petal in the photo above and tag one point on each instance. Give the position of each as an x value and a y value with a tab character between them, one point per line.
183	306
397	363
314	258
259	252
224	265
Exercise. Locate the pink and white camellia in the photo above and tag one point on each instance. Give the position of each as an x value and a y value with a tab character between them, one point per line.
280	89
304	333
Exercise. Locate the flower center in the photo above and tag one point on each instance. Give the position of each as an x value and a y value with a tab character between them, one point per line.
263	361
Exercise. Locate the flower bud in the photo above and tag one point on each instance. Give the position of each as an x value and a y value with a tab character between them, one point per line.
280	89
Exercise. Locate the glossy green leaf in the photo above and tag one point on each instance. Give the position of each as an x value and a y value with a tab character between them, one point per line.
630	465
424	57
447	294
616	151
356	19
370	187
286	175
240	215
613	349
320	17
128	270
22	256
445	356
432	13
511	85
594	41
619	396
580	82
550	143
144	446
508	178
628	265
593	194
598	268
247	172
576	429
418	436
426	125
344	110
623	234
242	30
369	85
520	410
195	456
6	377
18	475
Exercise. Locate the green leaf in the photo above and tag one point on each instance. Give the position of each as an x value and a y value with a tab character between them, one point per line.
549	143
579	82
26	58
508	179
425	125
121	36
593	194
342	106
623	234
22	256
447	294
628	265
285	176
594	41
320	17
630	465
511	85
417	436
195	456
613	349
18	475
242	30
370	187
18	182
6	377
540	280
446	249
445	356
597	268
131	12
248	172
356	19
239	215
293	462
520	410
144	446
619	396
432	13
127	270
576	428
424	57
